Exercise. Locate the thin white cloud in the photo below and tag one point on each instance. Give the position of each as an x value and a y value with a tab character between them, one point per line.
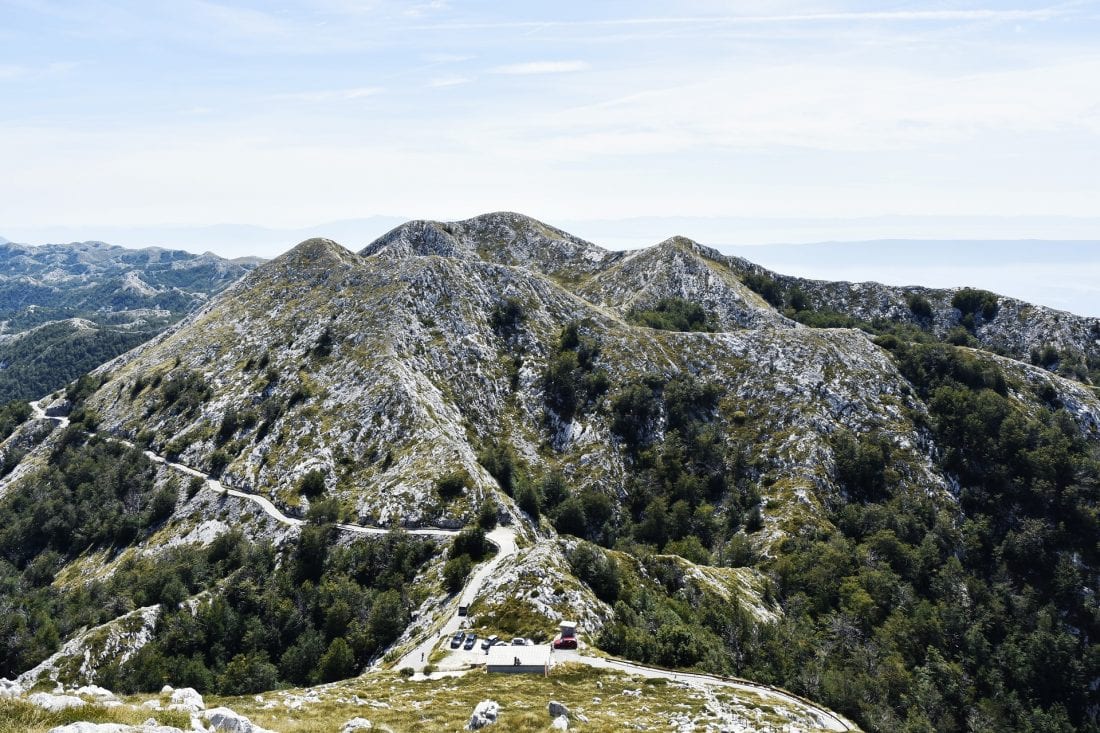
450	81
541	67
447	58
14	72
815	107
421	9
330	95
896	16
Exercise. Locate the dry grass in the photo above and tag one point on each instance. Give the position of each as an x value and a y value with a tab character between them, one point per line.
397	704
611	701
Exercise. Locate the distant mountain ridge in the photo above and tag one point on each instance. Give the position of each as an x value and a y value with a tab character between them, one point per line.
65	308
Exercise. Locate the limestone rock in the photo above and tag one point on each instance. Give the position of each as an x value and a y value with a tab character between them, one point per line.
97	692
484	714
560	723
55	703
186	699
557	709
356	724
230	721
9	688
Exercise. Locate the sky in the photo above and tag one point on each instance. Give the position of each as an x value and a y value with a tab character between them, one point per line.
738	122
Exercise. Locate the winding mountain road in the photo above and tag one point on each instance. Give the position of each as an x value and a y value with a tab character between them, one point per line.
505	540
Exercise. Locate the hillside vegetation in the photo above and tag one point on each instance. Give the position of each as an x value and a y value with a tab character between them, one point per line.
870	496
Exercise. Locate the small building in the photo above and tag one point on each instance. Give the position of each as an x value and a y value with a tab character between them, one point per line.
568	629
506	659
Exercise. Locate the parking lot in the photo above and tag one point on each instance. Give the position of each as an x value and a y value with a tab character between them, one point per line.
446	657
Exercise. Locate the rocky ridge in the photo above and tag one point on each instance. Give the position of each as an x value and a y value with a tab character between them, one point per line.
386	369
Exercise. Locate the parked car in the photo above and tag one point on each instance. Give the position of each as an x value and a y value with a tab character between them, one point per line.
490	641
569	642
463	610
519	641
471	639
457	639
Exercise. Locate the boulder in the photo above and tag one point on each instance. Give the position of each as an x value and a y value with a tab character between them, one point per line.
560	723
186	699
557	709
55	703
101	694
484	714
60	408
230	721
167	690
9	688
356	724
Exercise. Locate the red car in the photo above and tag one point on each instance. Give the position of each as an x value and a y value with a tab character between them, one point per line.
569	642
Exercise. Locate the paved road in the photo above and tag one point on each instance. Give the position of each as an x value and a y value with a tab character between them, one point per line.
263	502
505	540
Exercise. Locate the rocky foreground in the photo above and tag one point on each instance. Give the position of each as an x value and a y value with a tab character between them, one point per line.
569	699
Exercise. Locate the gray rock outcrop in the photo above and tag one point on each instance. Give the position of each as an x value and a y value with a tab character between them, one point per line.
55	703
484	714
357	724
557	709
230	721
186	699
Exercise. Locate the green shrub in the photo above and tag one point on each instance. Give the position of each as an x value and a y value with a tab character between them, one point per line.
972	302
571	381
455	572
452	484
527	499
919	306
502	463
506	317
338	661
673	314
765	286
312	483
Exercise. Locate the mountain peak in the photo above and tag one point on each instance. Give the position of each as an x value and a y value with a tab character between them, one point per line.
319	247
501	237
684	244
